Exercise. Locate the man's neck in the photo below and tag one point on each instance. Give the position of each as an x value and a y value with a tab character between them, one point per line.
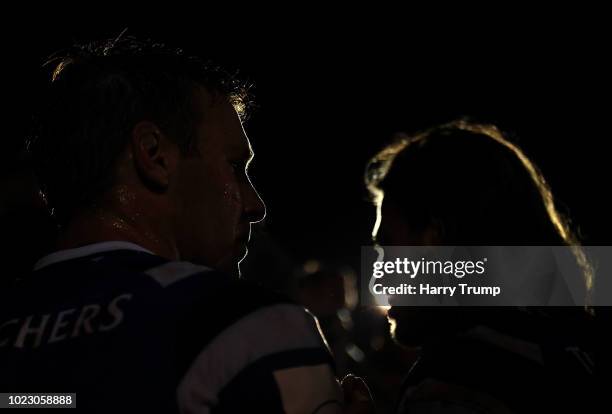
99	225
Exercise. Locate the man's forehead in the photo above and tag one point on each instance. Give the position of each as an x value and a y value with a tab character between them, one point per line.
236	139
204	99
221	124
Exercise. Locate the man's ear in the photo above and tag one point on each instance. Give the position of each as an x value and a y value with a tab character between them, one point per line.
154	156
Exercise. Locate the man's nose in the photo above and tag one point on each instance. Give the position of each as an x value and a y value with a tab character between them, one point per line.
254	207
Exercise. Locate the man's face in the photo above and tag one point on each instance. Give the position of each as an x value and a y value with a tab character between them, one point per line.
216	201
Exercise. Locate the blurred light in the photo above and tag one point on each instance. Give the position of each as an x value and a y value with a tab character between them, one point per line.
345	319
311	266
354	352
351	295
377	343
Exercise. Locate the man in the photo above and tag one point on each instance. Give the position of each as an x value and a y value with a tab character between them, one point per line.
142	159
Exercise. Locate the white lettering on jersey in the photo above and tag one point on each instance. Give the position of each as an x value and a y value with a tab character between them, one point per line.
36	330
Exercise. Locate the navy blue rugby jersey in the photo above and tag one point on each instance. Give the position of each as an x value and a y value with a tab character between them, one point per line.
127	330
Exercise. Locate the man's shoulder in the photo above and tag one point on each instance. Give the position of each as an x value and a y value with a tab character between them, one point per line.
146	288
161	280
167	324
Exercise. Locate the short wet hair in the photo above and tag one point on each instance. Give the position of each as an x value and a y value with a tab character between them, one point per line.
96	93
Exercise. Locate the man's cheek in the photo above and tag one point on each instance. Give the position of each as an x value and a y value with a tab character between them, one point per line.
231	194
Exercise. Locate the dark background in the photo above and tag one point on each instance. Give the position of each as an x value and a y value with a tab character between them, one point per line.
330	91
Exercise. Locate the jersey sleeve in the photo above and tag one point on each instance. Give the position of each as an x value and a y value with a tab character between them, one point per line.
274	358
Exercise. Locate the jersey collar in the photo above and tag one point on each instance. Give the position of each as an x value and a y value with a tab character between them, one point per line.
87	250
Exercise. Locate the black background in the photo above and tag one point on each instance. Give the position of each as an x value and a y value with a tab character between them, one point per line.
333	88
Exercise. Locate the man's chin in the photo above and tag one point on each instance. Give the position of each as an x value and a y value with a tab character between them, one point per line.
230	267
243	253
